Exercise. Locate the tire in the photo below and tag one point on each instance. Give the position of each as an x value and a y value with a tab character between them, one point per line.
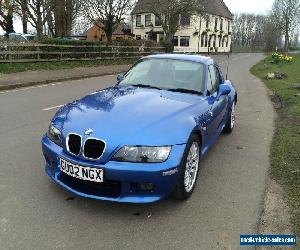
185	186
229	126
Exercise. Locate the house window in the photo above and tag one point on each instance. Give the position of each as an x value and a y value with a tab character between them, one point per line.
207	22
229	27
138	37
148	21
175	41
216	24
185	20
138	21
184	41
204	39
157	21
221	24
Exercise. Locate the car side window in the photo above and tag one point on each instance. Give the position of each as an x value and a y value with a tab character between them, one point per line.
214	79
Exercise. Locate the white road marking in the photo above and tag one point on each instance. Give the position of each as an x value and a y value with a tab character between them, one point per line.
51	84
50	108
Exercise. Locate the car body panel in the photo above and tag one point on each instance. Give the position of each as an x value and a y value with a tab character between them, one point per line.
133	116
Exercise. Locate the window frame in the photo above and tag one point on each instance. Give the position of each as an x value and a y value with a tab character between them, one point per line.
140	21
216	24
184	37
175	38
157	21
219	75
222	25
148	23
207	19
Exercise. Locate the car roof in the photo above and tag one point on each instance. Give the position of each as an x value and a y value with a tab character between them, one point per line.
184	57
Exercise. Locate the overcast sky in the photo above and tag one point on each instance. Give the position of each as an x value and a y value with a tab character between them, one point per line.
235	6
250	6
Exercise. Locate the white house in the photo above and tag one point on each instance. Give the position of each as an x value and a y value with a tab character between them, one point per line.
210	32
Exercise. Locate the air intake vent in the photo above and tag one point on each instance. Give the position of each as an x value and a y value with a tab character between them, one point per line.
74	144
94	148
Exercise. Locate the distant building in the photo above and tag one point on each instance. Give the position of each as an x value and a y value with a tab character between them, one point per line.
210	32
96	33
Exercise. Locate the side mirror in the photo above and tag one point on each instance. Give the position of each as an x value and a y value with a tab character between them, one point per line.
224	89
120	78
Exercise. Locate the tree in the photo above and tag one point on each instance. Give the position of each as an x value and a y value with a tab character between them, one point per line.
6	15
272	35
286	15
256	31
65	13
81	25
170	12
38	12
107	14
22	12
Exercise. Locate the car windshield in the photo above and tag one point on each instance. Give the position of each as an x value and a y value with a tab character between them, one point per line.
168	74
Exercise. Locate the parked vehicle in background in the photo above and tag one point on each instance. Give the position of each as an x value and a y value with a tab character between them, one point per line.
21	37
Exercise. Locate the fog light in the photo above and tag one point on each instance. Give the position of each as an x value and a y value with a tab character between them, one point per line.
146	187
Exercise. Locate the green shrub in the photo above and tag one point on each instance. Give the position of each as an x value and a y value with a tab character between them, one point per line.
59	41
129	43
168	45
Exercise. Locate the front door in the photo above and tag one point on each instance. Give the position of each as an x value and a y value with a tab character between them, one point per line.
217	106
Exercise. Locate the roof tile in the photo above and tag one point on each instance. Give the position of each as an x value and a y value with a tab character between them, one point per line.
215	7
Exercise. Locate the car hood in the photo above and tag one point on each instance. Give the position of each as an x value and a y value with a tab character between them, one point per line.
131	116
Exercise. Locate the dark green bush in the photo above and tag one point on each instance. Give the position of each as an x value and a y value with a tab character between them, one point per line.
168	45
59	41
294	48
145	43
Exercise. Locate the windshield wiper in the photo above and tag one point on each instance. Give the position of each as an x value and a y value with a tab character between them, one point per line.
189	91
145	86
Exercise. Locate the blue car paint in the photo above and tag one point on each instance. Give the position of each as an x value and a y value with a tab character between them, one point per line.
125	115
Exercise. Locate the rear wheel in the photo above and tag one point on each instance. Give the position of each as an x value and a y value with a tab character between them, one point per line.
229	126
189	172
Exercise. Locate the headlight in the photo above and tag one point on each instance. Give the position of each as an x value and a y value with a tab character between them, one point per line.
54	134
142	154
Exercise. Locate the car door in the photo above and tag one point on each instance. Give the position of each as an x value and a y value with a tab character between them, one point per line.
217	105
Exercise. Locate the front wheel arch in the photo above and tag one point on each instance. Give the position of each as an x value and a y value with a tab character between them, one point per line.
179	192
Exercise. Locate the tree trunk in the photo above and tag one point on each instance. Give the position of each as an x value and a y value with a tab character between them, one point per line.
24	16
9	23
39	26
24	24
59	16
109	27
287	37
69	17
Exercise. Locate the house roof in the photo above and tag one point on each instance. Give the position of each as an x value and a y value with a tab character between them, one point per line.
122	29
215	7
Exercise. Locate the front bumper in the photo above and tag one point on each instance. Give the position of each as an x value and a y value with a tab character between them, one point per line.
122	179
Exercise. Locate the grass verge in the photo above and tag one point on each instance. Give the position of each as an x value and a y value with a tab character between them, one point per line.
8	68
285	151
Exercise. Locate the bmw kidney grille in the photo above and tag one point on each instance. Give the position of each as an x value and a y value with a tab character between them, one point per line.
92	148
74	144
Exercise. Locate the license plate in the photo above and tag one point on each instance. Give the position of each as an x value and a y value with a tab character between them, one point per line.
80	172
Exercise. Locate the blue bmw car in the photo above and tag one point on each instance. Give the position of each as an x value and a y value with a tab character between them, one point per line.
142	139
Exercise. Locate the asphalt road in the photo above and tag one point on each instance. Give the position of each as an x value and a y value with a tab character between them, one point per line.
37	214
